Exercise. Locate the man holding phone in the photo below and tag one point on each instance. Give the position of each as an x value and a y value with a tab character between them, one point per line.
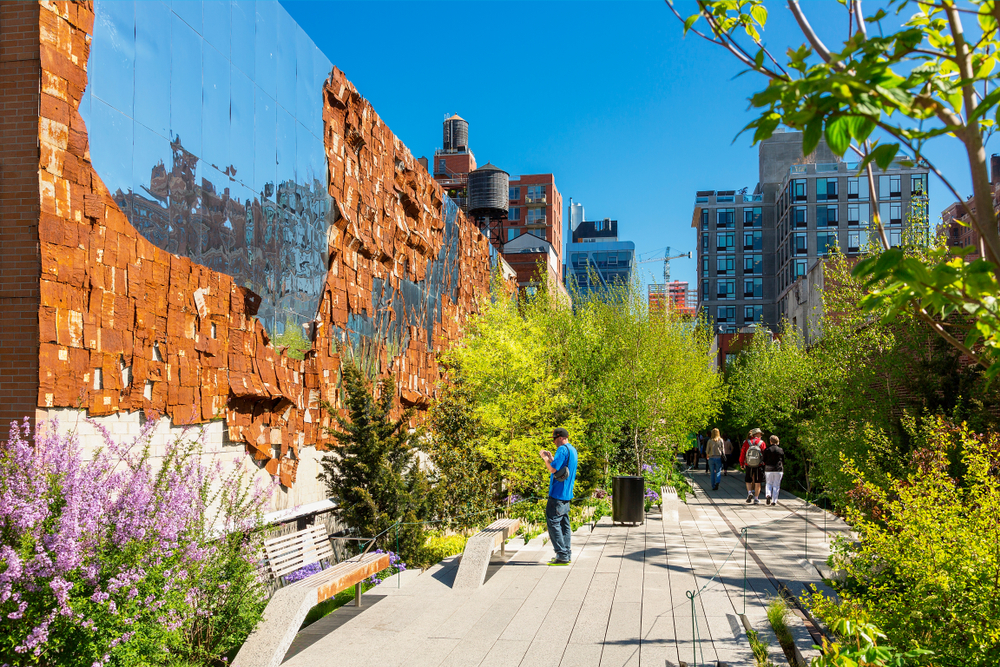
562	476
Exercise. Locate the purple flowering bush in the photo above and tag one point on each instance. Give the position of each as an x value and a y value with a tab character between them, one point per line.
112	560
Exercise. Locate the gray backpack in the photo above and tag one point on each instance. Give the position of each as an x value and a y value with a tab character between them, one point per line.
754	456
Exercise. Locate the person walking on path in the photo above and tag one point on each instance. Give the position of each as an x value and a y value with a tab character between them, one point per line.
562	476
714	450
774	468
727	455
752	460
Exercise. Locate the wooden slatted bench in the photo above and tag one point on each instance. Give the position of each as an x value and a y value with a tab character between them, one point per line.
478	550
267	645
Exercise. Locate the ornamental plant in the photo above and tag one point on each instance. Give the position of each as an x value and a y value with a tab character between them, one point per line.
109	559
926	564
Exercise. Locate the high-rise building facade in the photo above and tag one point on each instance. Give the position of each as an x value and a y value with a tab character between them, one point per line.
597	259
752	248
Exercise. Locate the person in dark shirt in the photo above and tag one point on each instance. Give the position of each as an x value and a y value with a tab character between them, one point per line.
774	468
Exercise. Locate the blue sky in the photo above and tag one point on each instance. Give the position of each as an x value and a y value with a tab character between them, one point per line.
630	117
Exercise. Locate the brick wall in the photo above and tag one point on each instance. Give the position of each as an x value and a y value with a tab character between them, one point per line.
20	71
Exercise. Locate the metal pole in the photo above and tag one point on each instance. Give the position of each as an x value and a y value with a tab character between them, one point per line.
399	575
805	533
694	625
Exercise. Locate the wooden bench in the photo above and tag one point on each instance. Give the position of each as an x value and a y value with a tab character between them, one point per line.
287	609
478	550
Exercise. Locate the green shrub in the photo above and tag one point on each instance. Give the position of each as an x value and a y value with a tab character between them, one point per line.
438	547
924	570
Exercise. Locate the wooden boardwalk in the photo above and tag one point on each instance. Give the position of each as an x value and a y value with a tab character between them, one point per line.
622	602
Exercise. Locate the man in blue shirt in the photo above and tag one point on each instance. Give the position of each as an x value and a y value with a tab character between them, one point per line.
562	469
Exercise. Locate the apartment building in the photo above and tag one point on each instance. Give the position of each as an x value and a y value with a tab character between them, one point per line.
754	248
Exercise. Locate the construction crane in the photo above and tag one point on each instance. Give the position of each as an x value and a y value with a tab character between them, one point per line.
666	262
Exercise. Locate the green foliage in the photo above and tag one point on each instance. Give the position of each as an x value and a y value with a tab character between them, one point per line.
759	650
873	95
925	567
439	546
627	384
373	476
464	484
860	647
294	340
777	614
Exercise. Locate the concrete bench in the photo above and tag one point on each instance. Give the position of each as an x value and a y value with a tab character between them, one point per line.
267	645
478	550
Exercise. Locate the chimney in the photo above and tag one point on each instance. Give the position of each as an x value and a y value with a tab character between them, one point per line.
994	168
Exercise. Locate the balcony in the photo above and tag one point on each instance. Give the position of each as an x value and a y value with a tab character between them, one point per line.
536	222
535	201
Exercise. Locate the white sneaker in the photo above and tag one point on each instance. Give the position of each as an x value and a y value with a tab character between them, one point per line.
756	500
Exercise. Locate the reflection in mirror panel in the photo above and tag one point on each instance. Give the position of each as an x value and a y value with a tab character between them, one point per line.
205	123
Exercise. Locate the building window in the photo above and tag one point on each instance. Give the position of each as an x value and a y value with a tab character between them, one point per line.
726	289
704	290
753	314
441	167
799	216
540	233
800	267
726	266
826	189
725	218
515	193
536	192
704	266
704	242
889	187
753	241
801	244
514	213
579	259
855	240
725	314
799	190
918	184
753	264
704	220
535	216
857	215
826	216
826	242
753	288
857	188
891	212
513	233
724	242
752	217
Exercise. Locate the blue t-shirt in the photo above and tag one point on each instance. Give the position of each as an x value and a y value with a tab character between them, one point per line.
565	457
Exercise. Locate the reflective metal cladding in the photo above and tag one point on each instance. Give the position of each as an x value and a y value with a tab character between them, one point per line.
206	124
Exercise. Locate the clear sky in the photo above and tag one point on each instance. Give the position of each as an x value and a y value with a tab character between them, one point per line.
630	117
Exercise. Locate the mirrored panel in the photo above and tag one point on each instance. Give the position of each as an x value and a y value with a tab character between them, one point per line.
197	120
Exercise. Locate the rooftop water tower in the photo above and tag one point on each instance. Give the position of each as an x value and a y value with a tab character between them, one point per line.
489	198
456	134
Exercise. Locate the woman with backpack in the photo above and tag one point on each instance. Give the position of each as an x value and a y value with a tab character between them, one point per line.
752	460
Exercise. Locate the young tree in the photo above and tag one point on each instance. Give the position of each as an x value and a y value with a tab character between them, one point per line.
932	79
465	484
374	476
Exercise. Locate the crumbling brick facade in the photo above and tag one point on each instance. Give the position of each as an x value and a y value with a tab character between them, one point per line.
125	326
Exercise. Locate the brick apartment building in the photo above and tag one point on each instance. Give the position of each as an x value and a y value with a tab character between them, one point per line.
955	227
535	208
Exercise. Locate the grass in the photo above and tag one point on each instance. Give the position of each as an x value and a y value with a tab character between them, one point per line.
777	614
759	649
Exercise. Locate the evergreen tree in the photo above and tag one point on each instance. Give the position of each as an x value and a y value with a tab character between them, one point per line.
466	482
374	476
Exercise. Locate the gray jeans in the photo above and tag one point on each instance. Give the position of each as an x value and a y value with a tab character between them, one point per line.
557	517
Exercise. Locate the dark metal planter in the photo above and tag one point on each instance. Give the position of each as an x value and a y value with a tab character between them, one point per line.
627	503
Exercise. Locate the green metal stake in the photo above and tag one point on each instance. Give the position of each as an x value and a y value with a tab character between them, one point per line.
805	532
399	575
694	625
746	544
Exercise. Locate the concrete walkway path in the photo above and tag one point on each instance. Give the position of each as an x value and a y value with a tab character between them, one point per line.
623	601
